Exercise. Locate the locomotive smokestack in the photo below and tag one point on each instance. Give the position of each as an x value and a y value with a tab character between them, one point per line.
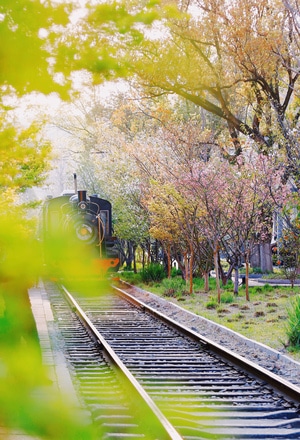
81	196
75	183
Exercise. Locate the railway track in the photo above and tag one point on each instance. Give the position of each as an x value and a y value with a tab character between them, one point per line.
194	388
117	406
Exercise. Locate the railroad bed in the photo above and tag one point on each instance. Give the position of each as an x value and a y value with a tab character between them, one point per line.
200	390
268	358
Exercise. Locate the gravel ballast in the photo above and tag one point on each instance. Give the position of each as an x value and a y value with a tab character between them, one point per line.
258	353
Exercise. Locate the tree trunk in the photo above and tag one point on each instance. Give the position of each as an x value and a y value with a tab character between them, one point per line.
247	276
186	268
236	281
169	261
206	281
129	258
224	276
149	253
191	264
266	263
255	256
134	259
261	257
181	265
216	263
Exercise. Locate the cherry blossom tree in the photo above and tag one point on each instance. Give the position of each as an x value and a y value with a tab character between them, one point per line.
238	201
173	221
207	184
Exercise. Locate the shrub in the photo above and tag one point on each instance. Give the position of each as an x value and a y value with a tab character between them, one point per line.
293	323
127	269
212	283
173	286
228	286
227	297
131	277
268	288
289	249
198	283
153	272
175	272
257	270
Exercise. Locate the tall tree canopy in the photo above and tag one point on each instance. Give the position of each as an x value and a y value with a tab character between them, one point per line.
237	60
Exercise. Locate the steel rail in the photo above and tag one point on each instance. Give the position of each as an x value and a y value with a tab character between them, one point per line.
160	425
281	385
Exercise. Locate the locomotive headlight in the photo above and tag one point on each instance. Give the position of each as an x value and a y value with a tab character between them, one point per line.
86	231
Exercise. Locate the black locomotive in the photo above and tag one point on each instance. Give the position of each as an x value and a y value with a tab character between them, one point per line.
77	236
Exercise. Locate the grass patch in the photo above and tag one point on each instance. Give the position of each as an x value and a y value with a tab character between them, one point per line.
236	317
222	311
173	286
227	298
212	304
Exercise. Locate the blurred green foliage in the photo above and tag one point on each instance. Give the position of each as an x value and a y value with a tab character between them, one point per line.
28	30
35	56
27	399
24	159
28	402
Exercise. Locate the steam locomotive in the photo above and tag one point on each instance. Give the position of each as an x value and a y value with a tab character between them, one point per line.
77	236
